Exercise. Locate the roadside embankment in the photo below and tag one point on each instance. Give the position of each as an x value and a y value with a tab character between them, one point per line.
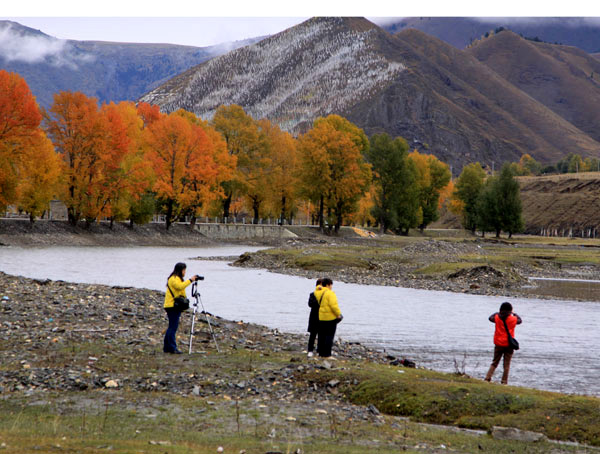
82	369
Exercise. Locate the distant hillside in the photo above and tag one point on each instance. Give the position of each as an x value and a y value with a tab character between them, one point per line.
442	100
561	203
583	33
563	78
108	71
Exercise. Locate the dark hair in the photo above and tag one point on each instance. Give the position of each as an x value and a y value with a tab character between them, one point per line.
178	270
326	281
319	281
506	307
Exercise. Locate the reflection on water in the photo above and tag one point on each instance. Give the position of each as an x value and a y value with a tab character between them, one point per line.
588	290
558	338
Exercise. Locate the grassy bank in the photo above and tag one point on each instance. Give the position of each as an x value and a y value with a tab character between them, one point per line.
439	398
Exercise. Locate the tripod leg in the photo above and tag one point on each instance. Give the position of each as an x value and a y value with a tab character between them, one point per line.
192	331
210	326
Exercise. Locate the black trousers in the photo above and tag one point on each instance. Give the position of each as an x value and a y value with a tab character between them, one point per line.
311	340
326	335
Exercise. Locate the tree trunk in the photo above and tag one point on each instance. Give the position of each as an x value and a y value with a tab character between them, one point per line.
193	222
31	219
321	209
112	220
497	233
227	205
282	217
255	209
168	217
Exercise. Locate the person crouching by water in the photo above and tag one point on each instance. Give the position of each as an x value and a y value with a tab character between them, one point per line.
175	287
313	318
501	344
329	316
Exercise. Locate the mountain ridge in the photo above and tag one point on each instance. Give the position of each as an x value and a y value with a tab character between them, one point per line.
106	70
441	99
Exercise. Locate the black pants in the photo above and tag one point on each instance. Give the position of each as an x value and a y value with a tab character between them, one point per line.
170	345
326	335
311	340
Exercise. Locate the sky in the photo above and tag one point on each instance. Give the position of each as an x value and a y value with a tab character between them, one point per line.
202	23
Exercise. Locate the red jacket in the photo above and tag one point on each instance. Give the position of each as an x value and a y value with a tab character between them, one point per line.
500	337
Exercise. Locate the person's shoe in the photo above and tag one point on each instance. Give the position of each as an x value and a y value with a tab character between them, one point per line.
177	352
310	354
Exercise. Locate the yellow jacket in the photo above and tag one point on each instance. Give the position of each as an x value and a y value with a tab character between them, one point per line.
329	309
177	287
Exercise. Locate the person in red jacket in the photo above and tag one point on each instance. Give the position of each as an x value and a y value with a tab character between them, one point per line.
501	347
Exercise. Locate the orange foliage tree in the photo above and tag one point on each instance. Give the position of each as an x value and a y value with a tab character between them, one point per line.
189	159
38	179
332	171
280	178
244	142
19	123
127	175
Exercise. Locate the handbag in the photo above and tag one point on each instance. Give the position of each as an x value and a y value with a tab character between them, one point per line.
512	342
181	303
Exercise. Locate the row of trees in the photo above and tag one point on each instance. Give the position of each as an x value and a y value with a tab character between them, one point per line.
122	161
572	163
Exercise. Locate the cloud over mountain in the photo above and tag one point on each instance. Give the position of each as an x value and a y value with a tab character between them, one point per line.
37	48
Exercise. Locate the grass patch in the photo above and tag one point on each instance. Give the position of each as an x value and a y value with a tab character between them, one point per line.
434	397
445	267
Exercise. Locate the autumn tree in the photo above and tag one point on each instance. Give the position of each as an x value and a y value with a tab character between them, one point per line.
189	159
40	169
243	141
333	173
79	133
127	174
280	180
432	176
396	198
19	124
466	191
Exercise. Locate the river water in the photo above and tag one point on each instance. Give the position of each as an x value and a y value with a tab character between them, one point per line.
439	330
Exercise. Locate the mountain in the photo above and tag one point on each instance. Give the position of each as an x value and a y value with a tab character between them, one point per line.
563	78
108	71
320	66
442	100
581	32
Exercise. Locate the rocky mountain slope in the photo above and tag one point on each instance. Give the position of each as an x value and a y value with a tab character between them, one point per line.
108	71
582	32
563	78
440	99
320	66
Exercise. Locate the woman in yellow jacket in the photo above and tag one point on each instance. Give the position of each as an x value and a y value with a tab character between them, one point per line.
329	316
175	287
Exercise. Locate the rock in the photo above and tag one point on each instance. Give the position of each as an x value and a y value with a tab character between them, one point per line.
333	383
511	433
111	384
373	409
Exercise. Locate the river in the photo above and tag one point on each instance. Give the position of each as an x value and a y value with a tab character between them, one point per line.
439	330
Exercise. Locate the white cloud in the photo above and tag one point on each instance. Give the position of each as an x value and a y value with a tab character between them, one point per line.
17	46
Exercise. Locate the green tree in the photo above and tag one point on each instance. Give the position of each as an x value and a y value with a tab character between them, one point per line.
499	205
396	198
432	176
509	202
468	187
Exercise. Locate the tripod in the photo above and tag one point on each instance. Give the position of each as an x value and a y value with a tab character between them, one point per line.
196	295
